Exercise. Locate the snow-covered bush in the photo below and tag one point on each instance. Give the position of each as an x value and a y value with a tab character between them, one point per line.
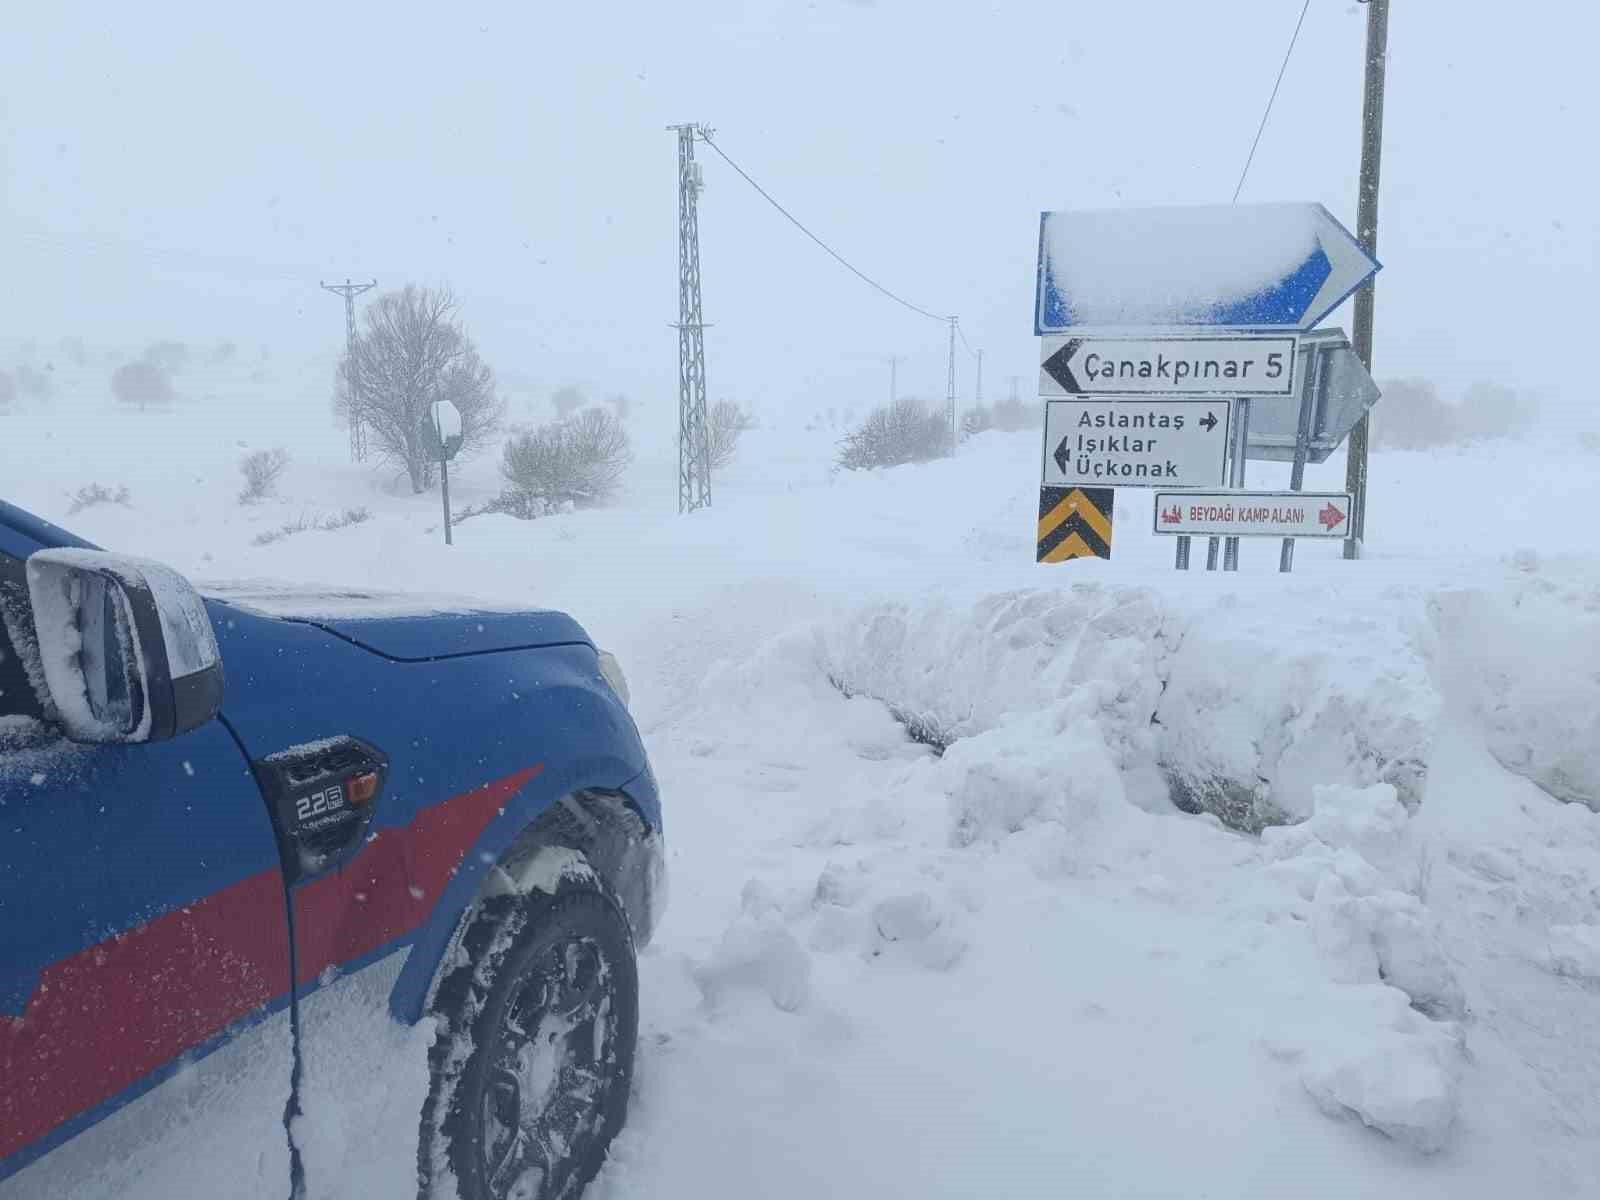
1015	414
34	383
898	433
91	494
141	383
513	503
724	423
261	469
976	420
168	356
327	524
580	461
1413	416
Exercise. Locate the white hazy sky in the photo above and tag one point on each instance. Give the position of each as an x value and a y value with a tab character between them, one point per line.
189	171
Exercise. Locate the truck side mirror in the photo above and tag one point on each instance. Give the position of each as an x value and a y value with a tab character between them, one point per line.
125	646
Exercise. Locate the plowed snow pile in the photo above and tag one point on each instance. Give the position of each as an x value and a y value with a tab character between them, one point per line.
990	879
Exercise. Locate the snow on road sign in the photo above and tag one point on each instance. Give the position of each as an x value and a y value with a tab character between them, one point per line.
1253	514
1170	365
1244	266
1136	443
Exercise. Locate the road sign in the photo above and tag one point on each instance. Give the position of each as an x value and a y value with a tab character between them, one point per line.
1253	514
444	418
1172	365
1344	394
1247	266
1074	523
1135	443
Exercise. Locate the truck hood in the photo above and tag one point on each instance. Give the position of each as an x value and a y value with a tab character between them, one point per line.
404	627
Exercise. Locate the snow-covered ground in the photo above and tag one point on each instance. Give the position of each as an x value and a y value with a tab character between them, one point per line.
1013	968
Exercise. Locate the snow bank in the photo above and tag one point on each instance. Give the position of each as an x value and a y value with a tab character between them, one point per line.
1244	704
1525	665
1266	701
1055	708
952	670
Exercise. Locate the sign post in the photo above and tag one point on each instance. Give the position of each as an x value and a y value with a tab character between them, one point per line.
444	421
1162	330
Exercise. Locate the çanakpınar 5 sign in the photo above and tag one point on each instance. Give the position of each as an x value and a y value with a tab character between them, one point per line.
1176	365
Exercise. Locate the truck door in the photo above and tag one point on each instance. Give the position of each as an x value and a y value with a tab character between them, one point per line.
145	1042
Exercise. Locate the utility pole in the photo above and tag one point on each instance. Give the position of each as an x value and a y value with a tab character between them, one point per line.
358	433
694	450
979	401
1367	234
1016	389
950	388
894	368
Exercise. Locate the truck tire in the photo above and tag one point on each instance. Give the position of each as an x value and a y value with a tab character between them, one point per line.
534	1057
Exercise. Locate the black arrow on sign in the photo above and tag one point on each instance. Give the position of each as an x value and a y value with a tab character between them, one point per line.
1059	367
1209	422
1061	456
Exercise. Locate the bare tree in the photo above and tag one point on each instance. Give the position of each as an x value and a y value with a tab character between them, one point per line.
578	461
413	352
724	423
141	383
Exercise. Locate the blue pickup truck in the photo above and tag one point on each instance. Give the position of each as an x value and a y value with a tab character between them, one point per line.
237	830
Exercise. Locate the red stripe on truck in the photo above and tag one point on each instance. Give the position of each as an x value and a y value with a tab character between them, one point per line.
390	888
103	1018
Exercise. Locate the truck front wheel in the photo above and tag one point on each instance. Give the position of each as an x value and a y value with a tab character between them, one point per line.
534	1058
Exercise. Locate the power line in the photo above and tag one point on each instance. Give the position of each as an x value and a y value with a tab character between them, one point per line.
1267	112
963	333
839	258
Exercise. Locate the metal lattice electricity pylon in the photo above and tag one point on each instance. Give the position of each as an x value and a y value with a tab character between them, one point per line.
694	450
358	432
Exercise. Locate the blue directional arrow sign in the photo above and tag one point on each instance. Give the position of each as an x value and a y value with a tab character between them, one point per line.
1249	266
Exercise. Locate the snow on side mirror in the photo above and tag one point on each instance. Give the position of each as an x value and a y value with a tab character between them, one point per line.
125	646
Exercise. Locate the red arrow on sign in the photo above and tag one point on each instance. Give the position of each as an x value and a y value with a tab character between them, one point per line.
1330	517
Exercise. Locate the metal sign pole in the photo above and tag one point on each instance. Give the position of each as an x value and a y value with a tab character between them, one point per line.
1182	560
1311	390
1230	553
444	489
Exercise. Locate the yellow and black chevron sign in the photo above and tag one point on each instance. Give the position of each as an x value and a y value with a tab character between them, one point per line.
1074	523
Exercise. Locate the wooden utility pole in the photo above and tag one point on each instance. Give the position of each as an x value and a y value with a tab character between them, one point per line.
1367	235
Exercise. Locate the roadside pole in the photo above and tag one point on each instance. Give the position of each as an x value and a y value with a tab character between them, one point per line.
444	423
444	490
1367	235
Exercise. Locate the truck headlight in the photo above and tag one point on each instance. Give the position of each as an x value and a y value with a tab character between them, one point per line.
611	672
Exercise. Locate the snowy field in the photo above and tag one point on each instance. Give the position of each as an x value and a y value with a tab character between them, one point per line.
1003	963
